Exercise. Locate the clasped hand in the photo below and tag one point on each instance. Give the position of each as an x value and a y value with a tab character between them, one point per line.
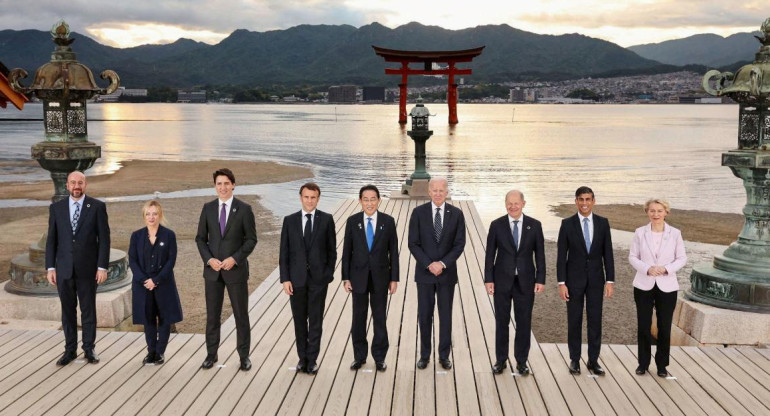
436	268
226	264
656	271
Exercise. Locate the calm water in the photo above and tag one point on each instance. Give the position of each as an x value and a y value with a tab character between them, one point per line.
625	153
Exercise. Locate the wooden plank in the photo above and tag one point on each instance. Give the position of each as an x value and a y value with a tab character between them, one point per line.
764	352
590	388
566	381
50	379
756	358
609	385
465	379
633	392
83	385
741	385
120	388
9	334
674	388
704	378
25	339
23	356
164	383
654	391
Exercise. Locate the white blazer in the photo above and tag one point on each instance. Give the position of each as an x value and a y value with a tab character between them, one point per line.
670	255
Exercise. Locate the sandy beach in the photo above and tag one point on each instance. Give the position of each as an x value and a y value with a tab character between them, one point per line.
20	226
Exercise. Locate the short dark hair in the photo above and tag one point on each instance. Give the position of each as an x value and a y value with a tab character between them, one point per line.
311	186
369	187
224	172
584	190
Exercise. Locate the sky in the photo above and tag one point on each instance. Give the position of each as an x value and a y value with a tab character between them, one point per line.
129	23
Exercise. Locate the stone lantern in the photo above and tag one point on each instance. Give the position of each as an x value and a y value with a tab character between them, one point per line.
64	85
417	184
740	277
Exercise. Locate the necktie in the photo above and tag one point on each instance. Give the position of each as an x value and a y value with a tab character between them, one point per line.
75	217
223	220
369	233
516	235
437	226
308	231
586	234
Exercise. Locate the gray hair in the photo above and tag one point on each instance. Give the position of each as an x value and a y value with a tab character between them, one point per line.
515	191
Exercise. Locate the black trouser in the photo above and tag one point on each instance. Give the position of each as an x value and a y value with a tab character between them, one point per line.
523	301
307	309
664	304
239	300
426	301
379	301
592	295
156	329
82	289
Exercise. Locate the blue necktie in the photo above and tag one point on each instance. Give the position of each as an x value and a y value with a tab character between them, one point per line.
369	234
437	227
586	235
516	235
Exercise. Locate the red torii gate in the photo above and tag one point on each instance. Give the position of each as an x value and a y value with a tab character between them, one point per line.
428	58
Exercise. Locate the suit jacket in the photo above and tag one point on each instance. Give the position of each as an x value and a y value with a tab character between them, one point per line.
670	255
575	266
239	239
426	251
502	258
165	292
358	261
317	266
83	251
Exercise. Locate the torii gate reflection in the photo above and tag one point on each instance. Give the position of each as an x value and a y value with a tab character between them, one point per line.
428	58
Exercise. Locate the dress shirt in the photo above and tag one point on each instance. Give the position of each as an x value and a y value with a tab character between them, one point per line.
229	203
374	221
72	206
441	212
590	225
304	220
510	224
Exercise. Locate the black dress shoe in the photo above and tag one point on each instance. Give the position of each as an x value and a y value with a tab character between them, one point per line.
159	358
522	369
356	364
312	368
574	367
149	358
423	363
91	356
301	366
209	361
499	367
595	368
445	363
245	364
66	358
662	372
640	370
381	366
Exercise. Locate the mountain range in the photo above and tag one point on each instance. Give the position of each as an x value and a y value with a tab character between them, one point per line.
342	54
706	49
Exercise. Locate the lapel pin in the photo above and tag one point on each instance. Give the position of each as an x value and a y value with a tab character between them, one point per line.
359	226
528	227
88	205
161	244
234	210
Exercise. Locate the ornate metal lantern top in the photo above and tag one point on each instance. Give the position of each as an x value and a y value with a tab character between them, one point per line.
63	77
751	83
419	116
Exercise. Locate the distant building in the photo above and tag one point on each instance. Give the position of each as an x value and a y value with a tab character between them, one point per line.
123	91
373	94
516	95
191	96
291	99
342	93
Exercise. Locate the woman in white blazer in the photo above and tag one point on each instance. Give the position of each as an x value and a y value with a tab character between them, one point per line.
657	252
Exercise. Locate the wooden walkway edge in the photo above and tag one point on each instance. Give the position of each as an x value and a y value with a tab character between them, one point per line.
707	381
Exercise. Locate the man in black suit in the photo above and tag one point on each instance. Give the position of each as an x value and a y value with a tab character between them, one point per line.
436	240
77	255
585	269
514	270
307	259
370	271
227	234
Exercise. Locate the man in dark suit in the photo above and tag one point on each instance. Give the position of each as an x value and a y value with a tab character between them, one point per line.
227	234
585	269
77	255
436	240
370	271
514	270
307	259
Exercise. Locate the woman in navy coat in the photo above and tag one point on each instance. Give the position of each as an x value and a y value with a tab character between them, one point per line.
156	305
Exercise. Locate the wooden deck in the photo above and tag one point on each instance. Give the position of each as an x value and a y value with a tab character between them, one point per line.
709	381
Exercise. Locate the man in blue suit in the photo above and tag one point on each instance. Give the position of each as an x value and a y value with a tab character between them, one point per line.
436	240
77	254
